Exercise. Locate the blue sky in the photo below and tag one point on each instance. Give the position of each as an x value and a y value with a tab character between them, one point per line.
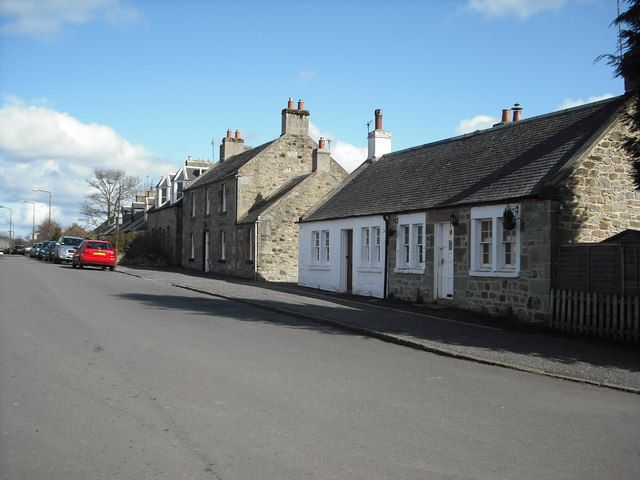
140	85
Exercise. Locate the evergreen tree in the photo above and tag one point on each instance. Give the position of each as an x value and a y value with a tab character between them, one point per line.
627	65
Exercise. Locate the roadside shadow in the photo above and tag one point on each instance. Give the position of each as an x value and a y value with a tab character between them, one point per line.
476	340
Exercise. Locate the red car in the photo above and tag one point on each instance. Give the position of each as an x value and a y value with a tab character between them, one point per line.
97	253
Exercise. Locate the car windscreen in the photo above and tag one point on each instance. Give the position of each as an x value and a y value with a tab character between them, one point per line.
99	245
74	242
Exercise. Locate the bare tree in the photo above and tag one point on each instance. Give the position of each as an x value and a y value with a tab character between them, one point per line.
112	188
46	230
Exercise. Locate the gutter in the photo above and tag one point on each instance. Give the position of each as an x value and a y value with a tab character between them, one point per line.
387	234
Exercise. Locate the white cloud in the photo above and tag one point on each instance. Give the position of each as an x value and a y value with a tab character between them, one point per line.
307	76
346	154
519	8
570	102
479	122
44	148
46	19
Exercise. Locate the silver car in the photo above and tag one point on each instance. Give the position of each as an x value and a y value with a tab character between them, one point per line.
65	248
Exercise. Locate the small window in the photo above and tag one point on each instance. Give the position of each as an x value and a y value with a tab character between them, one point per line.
320	247
207	201
223	246
251	244
366	245
193	247
410	248
377	245
193	205
223	199
494	250
486	242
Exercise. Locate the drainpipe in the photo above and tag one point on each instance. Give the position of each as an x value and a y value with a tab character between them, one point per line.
386	255
255	251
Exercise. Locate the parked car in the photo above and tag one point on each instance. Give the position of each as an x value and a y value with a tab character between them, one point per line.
98	253
27	250
17	250
64	249
42	254
34	251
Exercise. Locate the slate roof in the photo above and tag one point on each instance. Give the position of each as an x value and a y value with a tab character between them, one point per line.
228	167
256	210
511	161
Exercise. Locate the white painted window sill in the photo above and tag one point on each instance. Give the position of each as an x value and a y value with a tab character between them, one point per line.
366	269
408	270
319	267
497	273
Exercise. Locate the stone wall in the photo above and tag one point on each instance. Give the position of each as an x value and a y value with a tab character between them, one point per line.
599	198
525	297
277	228
290	156
215	222
166	223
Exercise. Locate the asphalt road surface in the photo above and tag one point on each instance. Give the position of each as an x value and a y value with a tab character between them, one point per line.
104	375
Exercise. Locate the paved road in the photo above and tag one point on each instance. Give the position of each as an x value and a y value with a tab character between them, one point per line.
136	379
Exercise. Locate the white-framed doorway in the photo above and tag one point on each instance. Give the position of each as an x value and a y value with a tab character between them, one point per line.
443	261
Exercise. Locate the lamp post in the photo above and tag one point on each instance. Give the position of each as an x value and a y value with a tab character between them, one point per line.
46	191
33	225
10	225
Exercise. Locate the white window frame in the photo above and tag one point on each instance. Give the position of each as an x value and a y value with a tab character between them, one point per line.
320	248
223	245
207	207
251	245
497	266
223	199
193	205
409	249
366	245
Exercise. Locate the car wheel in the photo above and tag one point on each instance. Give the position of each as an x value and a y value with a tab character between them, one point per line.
56	260
112	268
81	265
73	265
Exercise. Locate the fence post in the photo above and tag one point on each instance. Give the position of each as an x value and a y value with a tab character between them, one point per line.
636	320
581	320
622	269
614	317
551	306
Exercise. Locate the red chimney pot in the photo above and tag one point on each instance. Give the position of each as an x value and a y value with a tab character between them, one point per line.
378	114
321	143
290	104
238	137
517	112
506	115
229	133
300	105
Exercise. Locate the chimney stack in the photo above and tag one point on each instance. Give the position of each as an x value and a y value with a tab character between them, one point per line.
295	122
231	145
321	158
517	112
379	141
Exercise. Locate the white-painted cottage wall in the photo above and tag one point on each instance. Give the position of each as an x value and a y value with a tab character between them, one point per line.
367	280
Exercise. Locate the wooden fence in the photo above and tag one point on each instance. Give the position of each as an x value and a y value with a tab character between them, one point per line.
608	315
599	267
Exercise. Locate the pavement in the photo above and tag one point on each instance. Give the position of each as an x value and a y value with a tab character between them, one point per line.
450	332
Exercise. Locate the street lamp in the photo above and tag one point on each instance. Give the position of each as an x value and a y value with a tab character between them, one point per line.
33	226
10	224
46	191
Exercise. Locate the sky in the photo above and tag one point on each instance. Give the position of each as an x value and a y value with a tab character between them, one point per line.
140	85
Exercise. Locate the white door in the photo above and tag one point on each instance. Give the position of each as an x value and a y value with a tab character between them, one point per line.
206	251
444	260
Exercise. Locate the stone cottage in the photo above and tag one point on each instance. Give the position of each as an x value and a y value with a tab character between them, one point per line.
476	220
239	217
164	219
